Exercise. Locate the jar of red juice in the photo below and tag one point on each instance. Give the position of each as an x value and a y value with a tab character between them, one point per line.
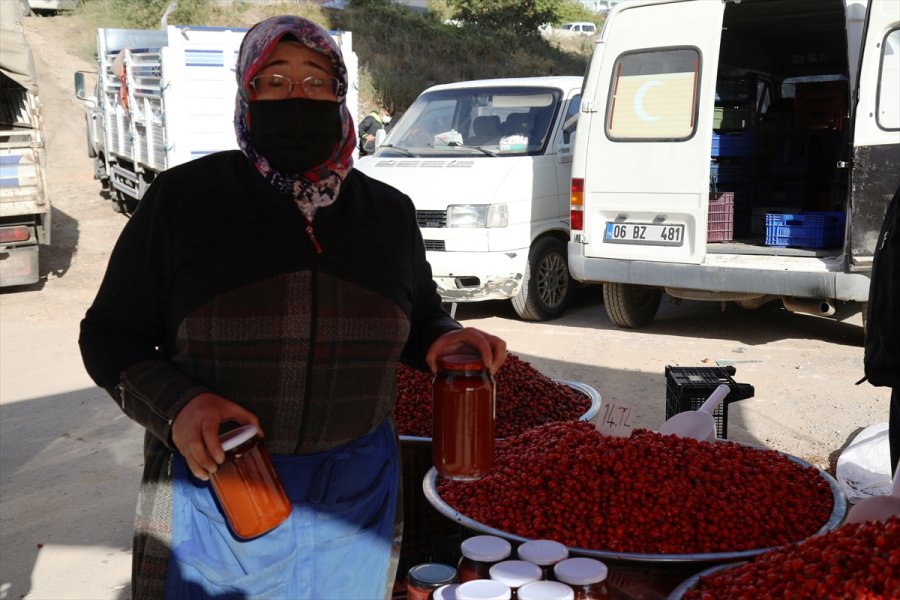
543	553
422	580
463	409
247	485
479	553
515	574
586	577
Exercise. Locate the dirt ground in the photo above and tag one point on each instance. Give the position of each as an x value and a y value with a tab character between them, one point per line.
70	461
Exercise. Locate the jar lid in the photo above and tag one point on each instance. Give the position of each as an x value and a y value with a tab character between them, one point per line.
485	548
445	592
580	571
237	436
545	590
432	575
515	573
543	552
483	589
461	362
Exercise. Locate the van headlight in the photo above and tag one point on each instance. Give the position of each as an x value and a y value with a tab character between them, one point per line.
477	215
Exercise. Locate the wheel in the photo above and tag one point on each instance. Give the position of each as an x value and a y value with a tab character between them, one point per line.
631	305
547	287
26	8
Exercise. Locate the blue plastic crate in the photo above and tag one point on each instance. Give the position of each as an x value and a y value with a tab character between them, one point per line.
805	229
734	143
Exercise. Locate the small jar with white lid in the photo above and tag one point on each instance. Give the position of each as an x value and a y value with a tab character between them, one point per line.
586	577
515	573
546	590
543	553
445	592
479	553
483	589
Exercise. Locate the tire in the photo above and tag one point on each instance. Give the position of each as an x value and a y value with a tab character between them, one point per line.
547	286
631	306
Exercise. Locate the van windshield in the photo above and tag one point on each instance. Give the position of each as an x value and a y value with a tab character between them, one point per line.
508	121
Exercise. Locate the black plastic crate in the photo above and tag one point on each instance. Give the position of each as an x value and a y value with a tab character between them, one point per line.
687	388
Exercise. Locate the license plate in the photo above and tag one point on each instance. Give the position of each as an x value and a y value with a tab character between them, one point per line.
650	234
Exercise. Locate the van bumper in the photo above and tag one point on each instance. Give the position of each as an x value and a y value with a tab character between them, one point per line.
803	277
476	276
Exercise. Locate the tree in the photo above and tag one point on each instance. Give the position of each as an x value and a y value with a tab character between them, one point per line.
518	16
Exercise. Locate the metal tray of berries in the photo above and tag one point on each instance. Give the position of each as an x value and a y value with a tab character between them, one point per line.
691	582
582	388
839	512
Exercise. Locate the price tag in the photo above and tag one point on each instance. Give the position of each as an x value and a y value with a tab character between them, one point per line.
615	419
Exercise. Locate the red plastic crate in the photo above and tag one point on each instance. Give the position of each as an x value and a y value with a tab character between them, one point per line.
721	217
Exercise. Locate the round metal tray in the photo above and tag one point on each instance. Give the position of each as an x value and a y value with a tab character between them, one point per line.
587	390
689	583
429	485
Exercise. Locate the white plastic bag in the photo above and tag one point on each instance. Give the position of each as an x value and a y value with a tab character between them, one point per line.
864	467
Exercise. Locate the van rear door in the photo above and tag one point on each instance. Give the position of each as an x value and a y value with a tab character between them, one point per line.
648	110
876	170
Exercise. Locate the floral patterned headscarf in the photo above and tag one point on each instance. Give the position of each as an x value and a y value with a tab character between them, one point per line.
320	185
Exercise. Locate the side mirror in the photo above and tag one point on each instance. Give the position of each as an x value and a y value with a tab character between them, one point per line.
379	137
79	85
569	128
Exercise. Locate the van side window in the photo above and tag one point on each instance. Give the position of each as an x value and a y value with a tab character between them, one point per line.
888	101
653	95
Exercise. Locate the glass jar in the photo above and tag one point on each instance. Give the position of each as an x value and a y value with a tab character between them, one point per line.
543	553
247	485
479	553
445	592
483	589
546	590
463	410
515	574
422	580
586	577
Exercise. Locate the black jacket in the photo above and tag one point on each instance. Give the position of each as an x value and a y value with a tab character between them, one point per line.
882	346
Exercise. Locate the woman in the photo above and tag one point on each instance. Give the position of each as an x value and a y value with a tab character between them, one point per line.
287	308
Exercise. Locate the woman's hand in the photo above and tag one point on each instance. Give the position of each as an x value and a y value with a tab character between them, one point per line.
491	348
195	431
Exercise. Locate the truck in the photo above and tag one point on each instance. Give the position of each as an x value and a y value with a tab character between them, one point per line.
736	151
24	200
164	97
487	165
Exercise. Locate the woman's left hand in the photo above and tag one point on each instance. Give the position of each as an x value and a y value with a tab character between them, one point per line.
491	348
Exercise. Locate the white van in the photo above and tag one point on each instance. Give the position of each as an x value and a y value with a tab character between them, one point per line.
487	164
736	150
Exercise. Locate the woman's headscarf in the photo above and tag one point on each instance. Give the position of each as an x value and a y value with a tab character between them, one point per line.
320	185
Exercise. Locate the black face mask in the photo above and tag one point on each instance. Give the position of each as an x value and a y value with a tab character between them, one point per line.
295	134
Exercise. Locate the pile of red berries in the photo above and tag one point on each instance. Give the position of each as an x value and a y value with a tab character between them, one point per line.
859	561
650	493
525	398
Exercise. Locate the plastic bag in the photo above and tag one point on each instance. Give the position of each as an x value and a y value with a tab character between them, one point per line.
864	467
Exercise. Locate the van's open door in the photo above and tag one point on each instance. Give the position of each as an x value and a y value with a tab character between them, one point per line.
648	127
876	130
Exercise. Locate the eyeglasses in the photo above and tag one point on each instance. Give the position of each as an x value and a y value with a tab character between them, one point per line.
279	87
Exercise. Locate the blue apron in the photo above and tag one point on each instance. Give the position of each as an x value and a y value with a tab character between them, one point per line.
336	544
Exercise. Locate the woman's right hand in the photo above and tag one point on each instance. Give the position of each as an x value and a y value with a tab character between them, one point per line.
195	431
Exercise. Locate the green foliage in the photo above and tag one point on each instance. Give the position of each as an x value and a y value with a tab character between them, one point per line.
522	17
573	10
